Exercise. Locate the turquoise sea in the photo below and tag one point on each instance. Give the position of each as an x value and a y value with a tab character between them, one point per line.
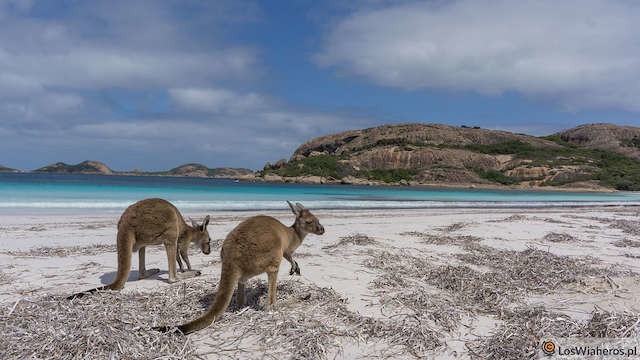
37	193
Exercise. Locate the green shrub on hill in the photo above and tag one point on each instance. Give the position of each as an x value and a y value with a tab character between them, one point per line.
496	176
321	165
503	148
619	172
390	175
634	142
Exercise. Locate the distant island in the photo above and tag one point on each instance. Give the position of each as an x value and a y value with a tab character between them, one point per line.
186	170
6	169
588	157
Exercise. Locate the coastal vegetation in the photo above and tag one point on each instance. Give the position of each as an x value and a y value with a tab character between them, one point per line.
428	153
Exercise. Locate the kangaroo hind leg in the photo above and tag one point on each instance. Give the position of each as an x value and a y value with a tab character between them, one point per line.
272	277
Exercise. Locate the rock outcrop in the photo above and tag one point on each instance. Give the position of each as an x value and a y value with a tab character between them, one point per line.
414	154
10	170
199	170
85	167
608	137
411	134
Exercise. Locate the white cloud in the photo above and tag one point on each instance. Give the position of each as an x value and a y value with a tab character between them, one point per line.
137	46
142	84
581	53
217	100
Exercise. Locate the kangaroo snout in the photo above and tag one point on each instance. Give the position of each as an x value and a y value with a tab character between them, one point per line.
320	230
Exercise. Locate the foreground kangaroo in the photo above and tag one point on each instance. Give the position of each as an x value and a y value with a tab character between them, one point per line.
154	222
257	245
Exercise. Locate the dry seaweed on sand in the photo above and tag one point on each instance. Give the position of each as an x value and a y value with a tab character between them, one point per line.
559	237
532	269
454	227
472	290
107	325
512	218
627	226
612	324
63	251
113	324
626	243
511	275
401	287
5	278
519	335
310	319
309	322
355	239
442	239
631	227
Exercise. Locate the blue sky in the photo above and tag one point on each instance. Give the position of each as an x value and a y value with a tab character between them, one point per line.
155	84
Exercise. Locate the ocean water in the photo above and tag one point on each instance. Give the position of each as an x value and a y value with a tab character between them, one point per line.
47	193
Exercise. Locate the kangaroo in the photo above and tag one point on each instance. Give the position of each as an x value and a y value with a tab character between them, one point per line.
154	222
183	245
257	245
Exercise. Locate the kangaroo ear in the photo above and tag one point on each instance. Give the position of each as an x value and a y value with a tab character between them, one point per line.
294	208
193	222
205	222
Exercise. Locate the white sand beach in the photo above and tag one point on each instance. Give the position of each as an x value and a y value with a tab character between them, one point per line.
400	284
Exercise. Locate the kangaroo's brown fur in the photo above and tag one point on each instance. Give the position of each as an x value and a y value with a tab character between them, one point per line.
257	245
154	222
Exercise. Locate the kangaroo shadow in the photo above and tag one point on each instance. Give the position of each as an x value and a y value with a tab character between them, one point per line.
253	294
108	278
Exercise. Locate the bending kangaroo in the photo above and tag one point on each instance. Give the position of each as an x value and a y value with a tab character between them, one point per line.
154	222
257	245
184	242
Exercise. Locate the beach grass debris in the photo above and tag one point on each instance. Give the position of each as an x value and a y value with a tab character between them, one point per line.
626	243
519	334
512	218
63	251
5	278
504	277
441	239
518	337
612	324
559	237
627	226
108	325
317	317
631	227
308	322
354	239
454	227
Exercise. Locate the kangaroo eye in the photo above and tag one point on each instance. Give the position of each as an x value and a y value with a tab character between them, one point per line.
309	221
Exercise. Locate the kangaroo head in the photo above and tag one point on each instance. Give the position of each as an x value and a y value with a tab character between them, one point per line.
305	220
201	235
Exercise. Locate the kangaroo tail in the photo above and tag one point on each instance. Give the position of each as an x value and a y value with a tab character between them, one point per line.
228	280
124	249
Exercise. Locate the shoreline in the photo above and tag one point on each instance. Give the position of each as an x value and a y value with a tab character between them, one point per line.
317	180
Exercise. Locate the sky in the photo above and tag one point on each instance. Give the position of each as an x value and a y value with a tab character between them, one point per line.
155	84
